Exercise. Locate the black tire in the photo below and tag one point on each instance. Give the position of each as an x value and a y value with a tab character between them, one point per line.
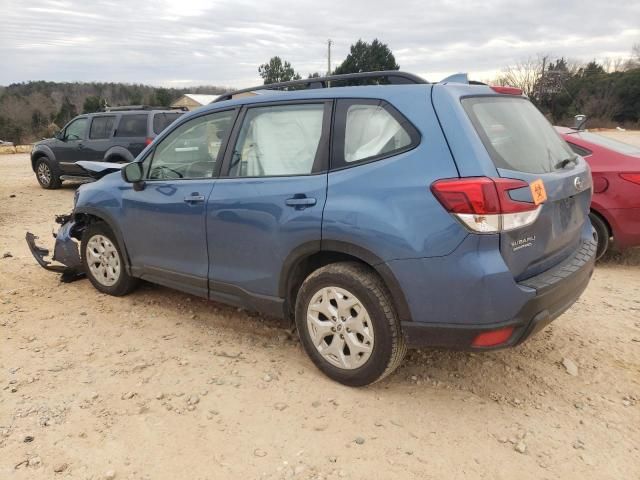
47	174
603	235
124	283
388	345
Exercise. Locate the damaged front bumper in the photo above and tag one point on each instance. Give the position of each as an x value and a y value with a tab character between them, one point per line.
65	251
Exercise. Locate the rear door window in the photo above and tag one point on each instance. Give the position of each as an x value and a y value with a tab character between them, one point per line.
132	126
516	134
368	130
163	120
279	140
101	127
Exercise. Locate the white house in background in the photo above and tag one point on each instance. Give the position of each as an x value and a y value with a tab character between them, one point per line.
194	100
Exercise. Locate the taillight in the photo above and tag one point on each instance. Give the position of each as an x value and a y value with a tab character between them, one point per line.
631	177
506	90
148	141
484	205
493	338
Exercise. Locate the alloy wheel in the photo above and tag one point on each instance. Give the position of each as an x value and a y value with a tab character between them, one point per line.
103	260
44	173
340	328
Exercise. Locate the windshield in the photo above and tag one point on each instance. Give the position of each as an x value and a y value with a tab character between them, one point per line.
516	134
609	143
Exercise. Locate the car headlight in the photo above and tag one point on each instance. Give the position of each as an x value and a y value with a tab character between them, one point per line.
75	197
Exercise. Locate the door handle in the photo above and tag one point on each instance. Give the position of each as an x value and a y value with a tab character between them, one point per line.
80	145
194	198
300	202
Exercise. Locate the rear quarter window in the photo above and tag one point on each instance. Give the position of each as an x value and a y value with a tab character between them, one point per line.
132	126
367	130
516	135
583	152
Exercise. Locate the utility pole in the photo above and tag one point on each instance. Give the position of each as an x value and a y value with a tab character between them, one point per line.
329	42
541	85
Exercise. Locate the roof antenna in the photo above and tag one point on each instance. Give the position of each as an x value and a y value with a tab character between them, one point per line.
456	78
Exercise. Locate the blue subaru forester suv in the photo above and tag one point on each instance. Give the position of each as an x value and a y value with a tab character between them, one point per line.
376	217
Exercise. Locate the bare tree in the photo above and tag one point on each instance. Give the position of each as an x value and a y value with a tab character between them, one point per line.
524	74
634	61
616	64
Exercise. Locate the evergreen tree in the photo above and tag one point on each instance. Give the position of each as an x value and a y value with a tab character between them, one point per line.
368	57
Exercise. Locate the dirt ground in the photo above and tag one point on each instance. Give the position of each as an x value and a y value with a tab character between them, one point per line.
163	385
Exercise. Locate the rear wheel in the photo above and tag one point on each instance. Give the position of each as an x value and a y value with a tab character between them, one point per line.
103	261
47	178
602	234
347	324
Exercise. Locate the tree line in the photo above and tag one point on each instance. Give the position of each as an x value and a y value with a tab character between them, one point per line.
363	57
32	110
608	92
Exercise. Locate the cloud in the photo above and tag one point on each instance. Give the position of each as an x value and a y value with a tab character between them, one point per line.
222	42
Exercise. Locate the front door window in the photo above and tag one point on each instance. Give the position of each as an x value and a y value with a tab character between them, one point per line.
75	130
192	149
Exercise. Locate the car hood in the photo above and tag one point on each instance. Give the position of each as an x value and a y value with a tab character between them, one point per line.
45	142
98	170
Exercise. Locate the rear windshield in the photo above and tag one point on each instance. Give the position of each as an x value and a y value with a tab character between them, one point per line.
163	120
516	134
609	143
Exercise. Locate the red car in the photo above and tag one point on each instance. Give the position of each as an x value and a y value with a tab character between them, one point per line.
615	166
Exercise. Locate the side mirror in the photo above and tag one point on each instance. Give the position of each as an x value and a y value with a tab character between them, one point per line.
132	173
579	122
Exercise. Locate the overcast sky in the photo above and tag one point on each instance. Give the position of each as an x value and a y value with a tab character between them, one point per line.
222	42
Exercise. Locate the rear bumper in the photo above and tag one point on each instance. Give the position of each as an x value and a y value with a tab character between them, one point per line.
555	291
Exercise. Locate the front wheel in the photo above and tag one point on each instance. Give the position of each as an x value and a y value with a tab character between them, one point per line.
45	174
103	261
347	324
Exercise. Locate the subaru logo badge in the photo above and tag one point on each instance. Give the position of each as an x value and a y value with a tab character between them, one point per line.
577	182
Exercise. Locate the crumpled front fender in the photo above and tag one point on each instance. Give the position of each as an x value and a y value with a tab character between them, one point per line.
65	251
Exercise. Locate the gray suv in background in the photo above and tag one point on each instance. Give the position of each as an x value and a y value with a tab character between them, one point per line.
117	135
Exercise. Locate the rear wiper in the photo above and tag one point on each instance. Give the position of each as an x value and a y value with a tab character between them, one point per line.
563	163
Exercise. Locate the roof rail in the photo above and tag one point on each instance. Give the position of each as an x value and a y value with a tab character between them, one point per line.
127	107
141	107
394	77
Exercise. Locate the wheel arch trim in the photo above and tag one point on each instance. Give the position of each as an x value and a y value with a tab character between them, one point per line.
108	219
307	250
119	151
42	151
